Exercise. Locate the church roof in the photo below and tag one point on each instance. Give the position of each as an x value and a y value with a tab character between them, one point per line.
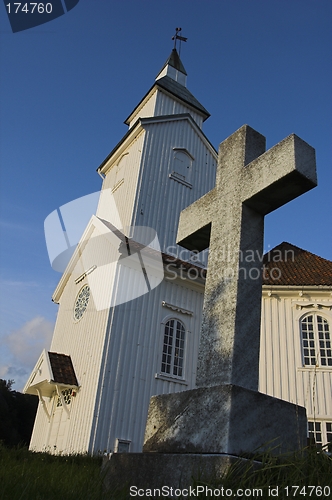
62	368
177	90
52	369
182	93
288	264
172	86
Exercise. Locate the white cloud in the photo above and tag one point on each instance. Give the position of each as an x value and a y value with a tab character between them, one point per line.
23	347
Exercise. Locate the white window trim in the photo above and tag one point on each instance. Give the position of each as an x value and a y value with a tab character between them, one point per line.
119	441
323	430
168	376
318	365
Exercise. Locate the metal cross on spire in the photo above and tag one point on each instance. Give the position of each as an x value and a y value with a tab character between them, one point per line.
177	36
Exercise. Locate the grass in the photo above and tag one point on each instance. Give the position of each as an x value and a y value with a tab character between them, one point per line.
39	476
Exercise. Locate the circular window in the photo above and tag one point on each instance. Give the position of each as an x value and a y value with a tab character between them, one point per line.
81	302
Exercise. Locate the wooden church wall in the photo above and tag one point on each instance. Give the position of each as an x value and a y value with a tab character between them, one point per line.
158	164
145	110
83	340
122	180
282	373
166	105
133	357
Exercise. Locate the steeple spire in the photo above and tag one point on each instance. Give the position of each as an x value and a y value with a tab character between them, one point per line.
174	68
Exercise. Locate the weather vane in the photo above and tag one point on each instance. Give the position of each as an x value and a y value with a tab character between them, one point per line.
177	36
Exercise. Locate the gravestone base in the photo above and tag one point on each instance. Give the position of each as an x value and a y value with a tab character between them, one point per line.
224	419
128	473
195	436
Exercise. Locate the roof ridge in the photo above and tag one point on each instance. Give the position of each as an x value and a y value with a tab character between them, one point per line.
301	250
300	268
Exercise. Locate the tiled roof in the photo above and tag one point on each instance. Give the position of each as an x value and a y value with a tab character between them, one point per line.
187	267
62	368
287	264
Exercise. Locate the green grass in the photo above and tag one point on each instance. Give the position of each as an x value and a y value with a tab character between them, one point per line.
304	469
39	476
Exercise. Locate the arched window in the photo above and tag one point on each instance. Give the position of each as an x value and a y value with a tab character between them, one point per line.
316	341
173	348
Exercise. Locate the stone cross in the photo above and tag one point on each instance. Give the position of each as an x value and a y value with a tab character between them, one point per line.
250	183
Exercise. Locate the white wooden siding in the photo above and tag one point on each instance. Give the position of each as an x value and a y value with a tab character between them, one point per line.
160	103
167	105
84	341
146	109
133	357
161	199
124	195
282	373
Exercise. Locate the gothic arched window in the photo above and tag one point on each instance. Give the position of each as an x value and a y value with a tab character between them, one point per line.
316	341
173	348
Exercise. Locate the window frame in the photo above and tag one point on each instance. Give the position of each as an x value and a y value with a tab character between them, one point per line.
321	429
313	345
122	445
85	306
163	374
185	176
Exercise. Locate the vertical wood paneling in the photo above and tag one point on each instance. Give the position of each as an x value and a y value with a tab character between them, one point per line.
124	195
281	372
134	357
166	105
147	110
157	164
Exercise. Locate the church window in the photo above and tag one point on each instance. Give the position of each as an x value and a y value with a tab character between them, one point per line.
120	170
329	436
81	302
173	348
122	446
66	397
182	167
315	433
320	434
316	341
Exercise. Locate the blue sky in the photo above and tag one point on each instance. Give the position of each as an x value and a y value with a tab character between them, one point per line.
67	86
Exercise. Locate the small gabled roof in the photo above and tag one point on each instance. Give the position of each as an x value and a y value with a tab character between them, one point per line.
288	264
62	368
52	369
182	93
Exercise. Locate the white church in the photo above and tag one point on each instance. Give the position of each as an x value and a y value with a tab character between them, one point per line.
129	315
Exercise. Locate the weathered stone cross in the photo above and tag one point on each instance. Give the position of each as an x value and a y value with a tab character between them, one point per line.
229	220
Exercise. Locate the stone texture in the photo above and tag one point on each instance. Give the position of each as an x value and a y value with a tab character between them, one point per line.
155	470
230	220
223	419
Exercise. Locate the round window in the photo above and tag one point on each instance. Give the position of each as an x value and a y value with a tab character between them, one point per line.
81	302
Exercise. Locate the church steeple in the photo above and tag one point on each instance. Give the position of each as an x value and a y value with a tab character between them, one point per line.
169	95
174	68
